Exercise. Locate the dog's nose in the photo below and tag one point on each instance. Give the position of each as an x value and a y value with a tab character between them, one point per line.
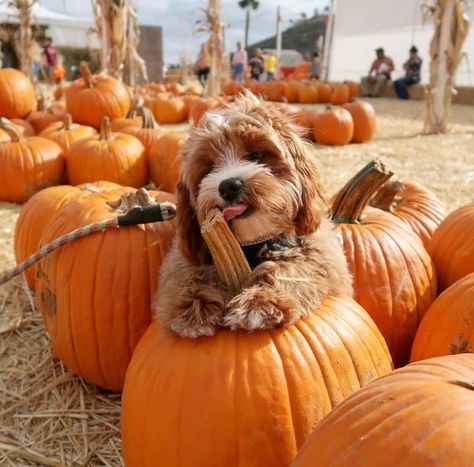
230	188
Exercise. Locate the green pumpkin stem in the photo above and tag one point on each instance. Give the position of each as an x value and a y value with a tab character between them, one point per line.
105	130
12	130
353	198
385	198
86	74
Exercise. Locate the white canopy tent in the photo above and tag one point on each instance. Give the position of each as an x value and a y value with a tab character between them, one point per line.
363	25
66	31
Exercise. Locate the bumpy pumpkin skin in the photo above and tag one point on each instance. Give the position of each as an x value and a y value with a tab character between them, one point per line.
245	398
17	96
419	415
448	326
452	246
28	166
96	317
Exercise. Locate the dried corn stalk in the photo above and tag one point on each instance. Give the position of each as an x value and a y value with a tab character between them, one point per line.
229	259
116	24
212	24
451	25
23	37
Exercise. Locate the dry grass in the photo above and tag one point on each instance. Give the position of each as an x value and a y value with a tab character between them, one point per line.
50	417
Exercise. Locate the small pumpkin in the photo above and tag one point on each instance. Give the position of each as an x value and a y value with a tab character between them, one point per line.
163	161
419	415
114	157
414	204
448	326
27	164
17	96
340	94
65	133
452	246
333	127
94	96
37	213
148	132
324	92
132	119
363	115
42	117
308	94
305	119
275	91
199	107
232	88
354	89
394	278
292	91
96	317
167	109
245	398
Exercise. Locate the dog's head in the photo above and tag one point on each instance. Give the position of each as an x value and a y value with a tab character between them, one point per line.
250	161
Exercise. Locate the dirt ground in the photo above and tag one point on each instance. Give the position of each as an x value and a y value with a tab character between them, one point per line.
50	417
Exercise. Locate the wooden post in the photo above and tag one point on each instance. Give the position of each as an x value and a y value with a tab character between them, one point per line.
215	47
451	27
328	40
278	42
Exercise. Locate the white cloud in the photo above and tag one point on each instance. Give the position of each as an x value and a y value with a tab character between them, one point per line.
178	18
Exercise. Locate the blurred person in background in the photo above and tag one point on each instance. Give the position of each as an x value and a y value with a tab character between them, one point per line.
51	57
257	65
203	63
380	72
239	62
412	76
270	65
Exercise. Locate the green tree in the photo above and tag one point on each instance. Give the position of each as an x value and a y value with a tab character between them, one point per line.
248	5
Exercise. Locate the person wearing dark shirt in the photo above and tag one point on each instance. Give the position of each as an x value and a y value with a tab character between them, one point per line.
257	66
412	69
51	56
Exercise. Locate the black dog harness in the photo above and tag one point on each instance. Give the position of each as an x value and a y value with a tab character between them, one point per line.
257	253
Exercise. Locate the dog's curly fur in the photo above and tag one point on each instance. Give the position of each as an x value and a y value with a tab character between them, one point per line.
263	148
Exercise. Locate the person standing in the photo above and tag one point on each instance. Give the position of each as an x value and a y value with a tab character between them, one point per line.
203	64
51	57
412	69
239	62
270	65
380	72
315	69
257	65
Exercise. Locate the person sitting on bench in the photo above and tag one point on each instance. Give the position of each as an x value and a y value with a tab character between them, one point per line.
412	69
379	73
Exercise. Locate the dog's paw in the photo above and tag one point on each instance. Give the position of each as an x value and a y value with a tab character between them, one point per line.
261	308
201	318
263	274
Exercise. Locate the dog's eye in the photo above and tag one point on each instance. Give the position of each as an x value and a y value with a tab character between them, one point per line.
255	156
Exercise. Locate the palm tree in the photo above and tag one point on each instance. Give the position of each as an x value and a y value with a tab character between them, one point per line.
248	4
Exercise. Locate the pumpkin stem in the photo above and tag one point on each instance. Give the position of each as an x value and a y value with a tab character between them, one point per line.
129	201
105	130
12	130
353	198
385	198
148	120
463	384
137	102
67	121
86	74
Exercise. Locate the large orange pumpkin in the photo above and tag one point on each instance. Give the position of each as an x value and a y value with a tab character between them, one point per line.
65	133
334	127
363	115
17	96
291	91
114	157
393	276
37	213
420	415
96	317
199	107
414	204
95	96
245	398
340	94
275	91
167	109
27	164
448	326
163	161
452	246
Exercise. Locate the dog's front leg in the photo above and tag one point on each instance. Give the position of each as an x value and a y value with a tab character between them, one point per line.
271	298
190	301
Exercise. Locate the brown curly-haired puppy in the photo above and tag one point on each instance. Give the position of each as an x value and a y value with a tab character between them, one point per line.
250	161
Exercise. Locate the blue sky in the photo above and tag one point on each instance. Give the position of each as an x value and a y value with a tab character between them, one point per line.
177	18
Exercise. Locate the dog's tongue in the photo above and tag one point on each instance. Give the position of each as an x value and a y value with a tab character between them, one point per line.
234	211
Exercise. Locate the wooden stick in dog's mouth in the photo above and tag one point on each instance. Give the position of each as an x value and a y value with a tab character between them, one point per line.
229	259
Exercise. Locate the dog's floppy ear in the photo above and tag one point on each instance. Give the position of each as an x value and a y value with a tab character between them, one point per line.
191	244
313	201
